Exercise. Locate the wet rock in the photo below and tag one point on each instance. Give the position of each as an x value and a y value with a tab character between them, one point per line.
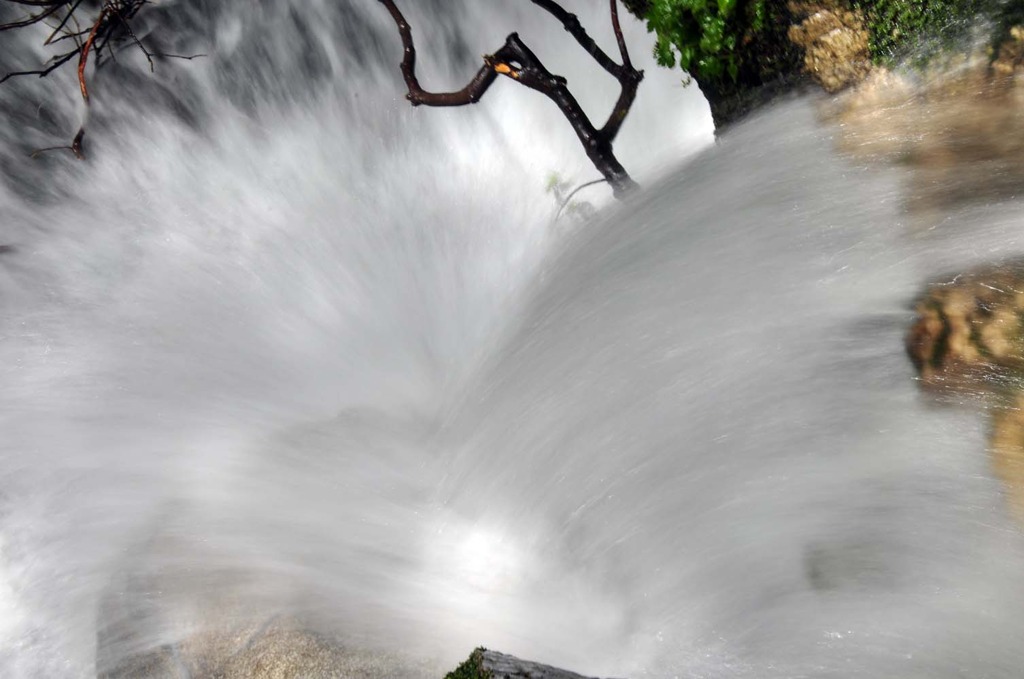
778	46
163	663
1009	60
487	664
969	336
971	327
279	648
958	131
1006	443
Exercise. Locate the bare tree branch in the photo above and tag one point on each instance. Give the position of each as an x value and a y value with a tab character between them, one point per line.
623	52
573	26
32	19
63	23
107	29
135	39
46	71
517	61
83	55
470	94
75	148
532	73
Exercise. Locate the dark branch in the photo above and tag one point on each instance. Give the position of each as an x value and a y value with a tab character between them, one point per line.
517	61
532	73
108	28
64	21
135	38
46	71
628	77
186	57
33	19
575	28
623	52
83	54
470	94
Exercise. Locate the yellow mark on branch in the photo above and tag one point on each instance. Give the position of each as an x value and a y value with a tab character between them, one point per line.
505	69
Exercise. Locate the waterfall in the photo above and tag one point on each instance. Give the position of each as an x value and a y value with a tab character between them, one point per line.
284	344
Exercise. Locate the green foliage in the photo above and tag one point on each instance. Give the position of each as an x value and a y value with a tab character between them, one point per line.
711	39
563	191
738	49
472	668
920	28
732	47
703	36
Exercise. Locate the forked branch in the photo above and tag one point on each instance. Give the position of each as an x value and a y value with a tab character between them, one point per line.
103	32
517	61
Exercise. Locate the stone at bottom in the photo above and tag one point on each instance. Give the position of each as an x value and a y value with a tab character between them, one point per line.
277	649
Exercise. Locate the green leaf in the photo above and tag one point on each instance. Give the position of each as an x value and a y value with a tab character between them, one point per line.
664	54
710	67
687	55
760	14
714	33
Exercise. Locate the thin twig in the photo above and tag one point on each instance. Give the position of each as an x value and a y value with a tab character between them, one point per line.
186	57
573	193
32	19
39	152
63	23
104	31
135	39
63	59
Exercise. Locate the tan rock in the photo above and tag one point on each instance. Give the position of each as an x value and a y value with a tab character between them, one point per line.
958	130
1006	443
278	648
970	327
1009	59
969	335
835	43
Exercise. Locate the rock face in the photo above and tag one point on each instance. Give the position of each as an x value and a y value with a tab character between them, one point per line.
279	648
1009	59
486	664
282	649
969	335
834	41
971	328
958	131
1006	444
775	46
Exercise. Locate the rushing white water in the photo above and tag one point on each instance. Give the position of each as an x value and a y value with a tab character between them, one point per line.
284	343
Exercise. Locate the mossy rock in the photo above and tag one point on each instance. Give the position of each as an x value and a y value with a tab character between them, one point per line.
486	664
743	53
472	668
969	330
968	337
